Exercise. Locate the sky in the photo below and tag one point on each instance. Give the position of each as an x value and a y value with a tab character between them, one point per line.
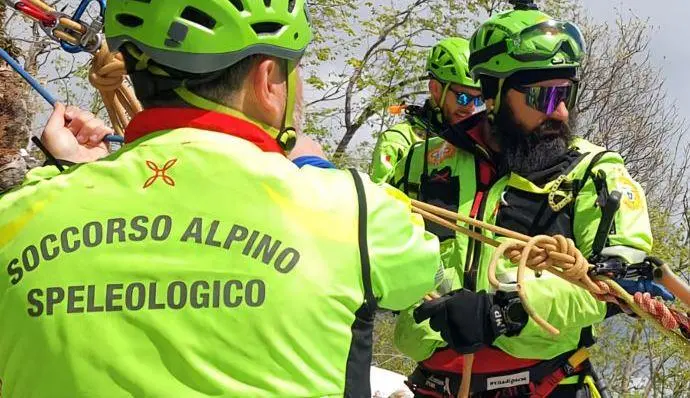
669	39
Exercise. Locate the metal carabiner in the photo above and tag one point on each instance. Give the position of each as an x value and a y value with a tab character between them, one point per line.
90	41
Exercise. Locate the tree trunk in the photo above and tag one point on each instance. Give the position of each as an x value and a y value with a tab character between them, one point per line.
14	118
14	127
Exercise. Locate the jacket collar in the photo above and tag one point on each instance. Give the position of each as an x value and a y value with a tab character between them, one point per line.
158	119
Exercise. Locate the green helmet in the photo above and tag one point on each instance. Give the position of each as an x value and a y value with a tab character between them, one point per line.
520	40
203	36
210	35
448	62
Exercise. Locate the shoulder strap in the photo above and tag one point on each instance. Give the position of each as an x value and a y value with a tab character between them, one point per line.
404	183
407	140
588	172
369	298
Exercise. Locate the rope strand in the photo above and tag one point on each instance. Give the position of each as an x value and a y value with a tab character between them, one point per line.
559	256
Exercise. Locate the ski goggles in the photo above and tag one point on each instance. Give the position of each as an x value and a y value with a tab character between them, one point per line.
464	99
537	43
547	98
544	40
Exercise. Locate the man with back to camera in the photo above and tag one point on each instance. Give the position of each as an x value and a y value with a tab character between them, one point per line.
165	269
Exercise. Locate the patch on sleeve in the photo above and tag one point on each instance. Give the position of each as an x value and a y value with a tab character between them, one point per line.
438	155
631	197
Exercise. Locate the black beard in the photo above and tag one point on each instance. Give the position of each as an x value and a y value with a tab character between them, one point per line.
524	151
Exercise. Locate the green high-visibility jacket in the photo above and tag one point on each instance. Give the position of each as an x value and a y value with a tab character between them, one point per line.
521	203
193	263
391	146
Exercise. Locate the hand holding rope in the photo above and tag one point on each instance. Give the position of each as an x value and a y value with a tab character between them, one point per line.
107	69
559	256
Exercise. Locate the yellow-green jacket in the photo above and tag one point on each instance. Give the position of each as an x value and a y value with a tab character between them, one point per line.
521	203
193	263
391	146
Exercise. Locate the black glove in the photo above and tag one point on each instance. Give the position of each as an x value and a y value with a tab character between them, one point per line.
467	320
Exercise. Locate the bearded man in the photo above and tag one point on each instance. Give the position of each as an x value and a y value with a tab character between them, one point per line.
544	181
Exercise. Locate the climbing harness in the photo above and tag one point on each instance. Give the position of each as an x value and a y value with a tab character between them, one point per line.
75	35
495	372
559	256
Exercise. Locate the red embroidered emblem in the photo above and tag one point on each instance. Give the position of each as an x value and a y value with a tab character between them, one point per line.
438	155
442	176
160	172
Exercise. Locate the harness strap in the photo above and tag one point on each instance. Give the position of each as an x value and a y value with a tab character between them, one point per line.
588	172
538	380
573	366
369	297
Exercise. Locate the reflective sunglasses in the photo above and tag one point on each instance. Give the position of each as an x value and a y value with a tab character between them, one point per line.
465	99
547	98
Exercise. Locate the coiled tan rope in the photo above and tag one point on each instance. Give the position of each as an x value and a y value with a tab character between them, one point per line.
108	76
557	255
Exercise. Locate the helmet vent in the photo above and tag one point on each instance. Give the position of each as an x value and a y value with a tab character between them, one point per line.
452	70
197	16
487	37
291	6
267	28
267	3
238	4
129	20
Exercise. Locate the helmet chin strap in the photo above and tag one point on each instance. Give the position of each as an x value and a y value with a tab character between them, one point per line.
437	106
491	114
287	137
200	102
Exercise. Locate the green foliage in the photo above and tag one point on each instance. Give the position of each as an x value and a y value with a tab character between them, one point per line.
375	54
651	365
369	55
385	354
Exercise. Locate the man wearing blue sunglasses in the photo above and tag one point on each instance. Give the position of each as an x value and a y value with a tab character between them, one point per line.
453	98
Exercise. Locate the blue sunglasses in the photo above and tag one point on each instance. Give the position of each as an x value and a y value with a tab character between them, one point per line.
465	99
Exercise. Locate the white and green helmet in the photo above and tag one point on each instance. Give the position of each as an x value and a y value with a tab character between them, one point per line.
205	36
448	62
